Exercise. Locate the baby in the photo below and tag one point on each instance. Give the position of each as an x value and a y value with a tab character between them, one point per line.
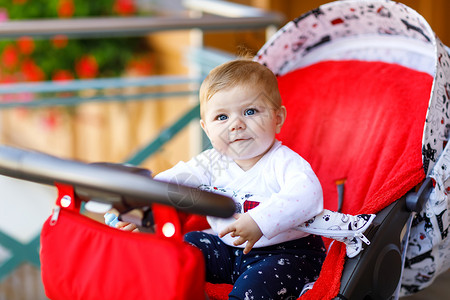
278	196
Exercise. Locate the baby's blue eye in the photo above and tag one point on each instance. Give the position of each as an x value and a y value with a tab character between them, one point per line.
221	117
250	112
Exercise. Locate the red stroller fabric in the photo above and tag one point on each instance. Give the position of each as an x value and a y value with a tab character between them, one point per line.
84	259
361	122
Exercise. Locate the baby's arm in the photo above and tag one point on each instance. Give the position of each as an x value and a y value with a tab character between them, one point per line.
246	229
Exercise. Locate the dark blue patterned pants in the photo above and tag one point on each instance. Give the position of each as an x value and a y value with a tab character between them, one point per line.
273	272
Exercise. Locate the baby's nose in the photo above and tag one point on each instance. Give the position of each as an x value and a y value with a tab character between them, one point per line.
237	124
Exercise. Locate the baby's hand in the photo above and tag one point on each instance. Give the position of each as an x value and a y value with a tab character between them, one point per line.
112	220
127	226
246	229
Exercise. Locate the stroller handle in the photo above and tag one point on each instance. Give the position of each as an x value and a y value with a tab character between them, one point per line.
113	185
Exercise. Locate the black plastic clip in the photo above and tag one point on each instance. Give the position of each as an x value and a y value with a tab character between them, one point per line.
416	201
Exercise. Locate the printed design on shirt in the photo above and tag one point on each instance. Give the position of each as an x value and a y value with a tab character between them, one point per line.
250	205
243	201
214	189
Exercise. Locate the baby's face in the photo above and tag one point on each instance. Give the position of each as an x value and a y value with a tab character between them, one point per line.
241	124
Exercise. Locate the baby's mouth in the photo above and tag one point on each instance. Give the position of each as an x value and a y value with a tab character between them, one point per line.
239	140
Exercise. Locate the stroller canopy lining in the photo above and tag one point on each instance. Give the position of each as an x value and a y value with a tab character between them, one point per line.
411	53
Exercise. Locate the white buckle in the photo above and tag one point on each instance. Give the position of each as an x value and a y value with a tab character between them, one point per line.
55	215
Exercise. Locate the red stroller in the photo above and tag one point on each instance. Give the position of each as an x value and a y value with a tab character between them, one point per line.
366	86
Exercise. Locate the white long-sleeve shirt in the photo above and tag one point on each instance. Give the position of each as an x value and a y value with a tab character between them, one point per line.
288	191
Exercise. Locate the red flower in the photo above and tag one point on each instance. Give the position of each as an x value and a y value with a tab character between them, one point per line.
140	66
66	8
26	45
87	67
60	41
10	57
62	75
124	7
31	71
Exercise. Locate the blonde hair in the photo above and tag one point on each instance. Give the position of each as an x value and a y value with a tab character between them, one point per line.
240	72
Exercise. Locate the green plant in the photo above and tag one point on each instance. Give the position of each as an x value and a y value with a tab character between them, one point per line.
61	58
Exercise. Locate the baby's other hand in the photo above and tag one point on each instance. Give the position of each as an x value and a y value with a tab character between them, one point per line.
112	220
127	226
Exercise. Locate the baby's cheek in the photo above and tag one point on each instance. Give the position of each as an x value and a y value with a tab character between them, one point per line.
220	140
219	146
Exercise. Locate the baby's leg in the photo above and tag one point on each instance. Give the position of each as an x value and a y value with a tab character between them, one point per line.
217	255
277	273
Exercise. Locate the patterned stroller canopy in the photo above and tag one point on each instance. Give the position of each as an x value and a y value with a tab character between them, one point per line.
390	32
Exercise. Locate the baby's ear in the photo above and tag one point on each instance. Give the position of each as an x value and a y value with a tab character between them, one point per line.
280	116
203	125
